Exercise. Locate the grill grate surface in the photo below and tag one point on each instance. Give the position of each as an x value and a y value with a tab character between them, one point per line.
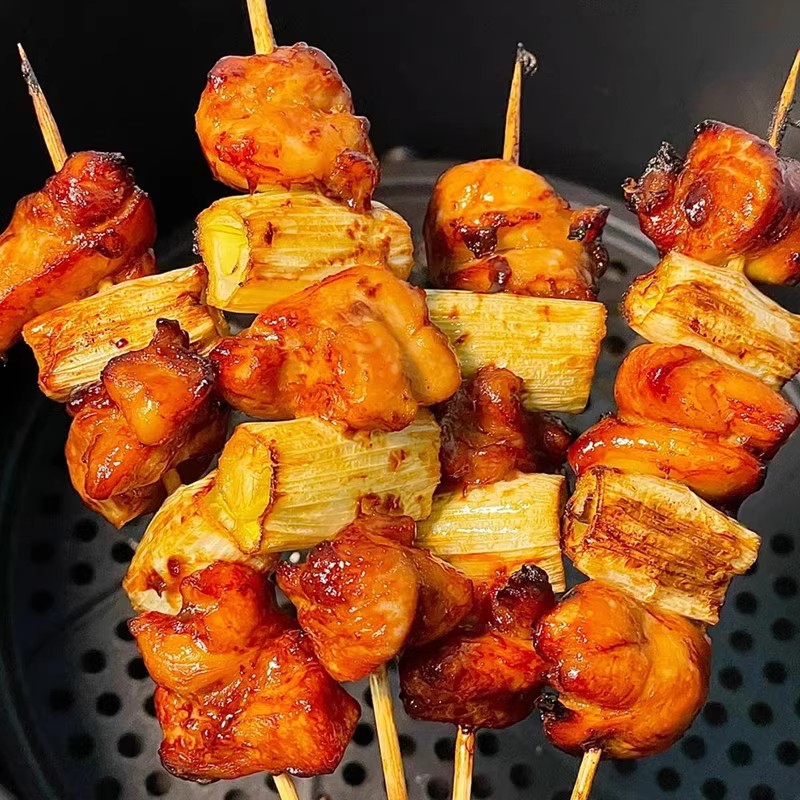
79	702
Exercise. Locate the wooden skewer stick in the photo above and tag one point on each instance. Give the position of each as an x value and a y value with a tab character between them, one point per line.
263	37
389	744
583	784
524	64
777	126
285	786
465	757
47	122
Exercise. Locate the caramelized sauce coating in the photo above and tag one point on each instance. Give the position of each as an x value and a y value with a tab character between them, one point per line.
493	226
239	691
487	435
485	674
357	348
681	386
90	222
721	473
731	196
154	409
368	593
286	118
630	679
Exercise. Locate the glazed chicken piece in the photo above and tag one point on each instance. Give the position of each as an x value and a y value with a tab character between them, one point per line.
368	593
494	226
731	196
681	386
485	674
357	348
90	223
488	436
153	410
721	473
286	118
630	679
240	691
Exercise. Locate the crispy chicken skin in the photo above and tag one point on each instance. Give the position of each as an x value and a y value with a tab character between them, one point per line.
723	474
731	196
152	410
368	593
485	674
487	435
494	226
239	691
681	386
90	222
357	348
630	679
286	118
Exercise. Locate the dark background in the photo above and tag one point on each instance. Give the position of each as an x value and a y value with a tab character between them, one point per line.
616	77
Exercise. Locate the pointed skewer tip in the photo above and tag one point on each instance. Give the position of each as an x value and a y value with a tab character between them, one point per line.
780	115
526	59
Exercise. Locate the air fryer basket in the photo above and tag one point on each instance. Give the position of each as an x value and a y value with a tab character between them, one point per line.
78	701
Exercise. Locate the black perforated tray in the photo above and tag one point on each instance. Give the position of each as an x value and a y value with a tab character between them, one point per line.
78	701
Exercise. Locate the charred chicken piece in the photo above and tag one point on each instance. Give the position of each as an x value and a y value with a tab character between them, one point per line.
494	226
240	691
153	410
488	436
722	473
368	593
630	679
286	118
89	223
357	348
681	386
731	196
485	674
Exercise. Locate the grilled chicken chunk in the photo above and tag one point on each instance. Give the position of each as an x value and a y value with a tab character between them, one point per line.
493	226
721	473
357	348
731	196
485	674
152	410
681	386
89	223
286	118
488	436
240	691
368	593
630	679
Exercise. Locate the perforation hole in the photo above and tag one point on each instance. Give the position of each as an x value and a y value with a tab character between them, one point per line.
488	743
782	544
354	774
787	753
521	776
157	784
740	754
121	552
368	697
108	704
714	789
783	629
85	530
129	745
730	678
625	766
81	574
445	749
438	789
693	747
149	706
123	632
235	794
785	586
407	745
668	779
741	641
762	792
363	734
746	603
715	714
107	788
481	787
775	672
137	669
270	782
760	714
93	661
615	345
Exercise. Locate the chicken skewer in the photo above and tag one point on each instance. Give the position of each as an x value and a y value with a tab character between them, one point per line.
785	419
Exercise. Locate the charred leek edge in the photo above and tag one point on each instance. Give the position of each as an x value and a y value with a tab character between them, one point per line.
499	527
553	345
262	247
288	485
74	342
178	541
656	540
719	312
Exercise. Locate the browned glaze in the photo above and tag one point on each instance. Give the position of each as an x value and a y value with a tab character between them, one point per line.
368	593
240	691
731	196
681	386
719	472
487	435
493	226
485	674
630	679
357	348
152	410
89	223
286	118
